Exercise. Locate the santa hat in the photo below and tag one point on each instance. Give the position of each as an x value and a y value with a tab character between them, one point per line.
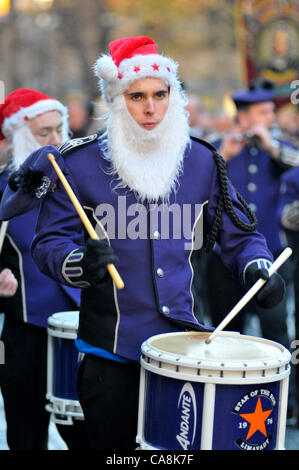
132	59
24	104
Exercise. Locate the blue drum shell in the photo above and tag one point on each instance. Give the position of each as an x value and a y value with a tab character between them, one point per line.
174	408
66	363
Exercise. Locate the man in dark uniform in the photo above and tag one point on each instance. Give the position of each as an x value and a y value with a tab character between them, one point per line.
30	119
138	182
288	217
255	161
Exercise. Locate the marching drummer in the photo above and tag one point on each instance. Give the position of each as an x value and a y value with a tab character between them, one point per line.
29	119
155	196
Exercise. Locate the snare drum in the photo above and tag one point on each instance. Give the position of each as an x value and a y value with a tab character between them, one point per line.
229	395
63	363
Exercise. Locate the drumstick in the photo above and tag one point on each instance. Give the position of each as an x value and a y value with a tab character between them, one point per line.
251	293
111	268
3	231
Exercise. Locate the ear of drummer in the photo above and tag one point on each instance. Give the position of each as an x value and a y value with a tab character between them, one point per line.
30	183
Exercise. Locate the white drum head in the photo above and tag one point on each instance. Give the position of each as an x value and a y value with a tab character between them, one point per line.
227	351
222	347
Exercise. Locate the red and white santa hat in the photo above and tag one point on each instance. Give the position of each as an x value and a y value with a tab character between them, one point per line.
132	59
24	104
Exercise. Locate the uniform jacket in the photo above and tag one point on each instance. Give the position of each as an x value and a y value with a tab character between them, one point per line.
289	192
37	296
15	201
257	177
289	188
156	266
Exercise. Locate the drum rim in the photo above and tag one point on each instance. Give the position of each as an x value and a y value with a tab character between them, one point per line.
150	351
58	324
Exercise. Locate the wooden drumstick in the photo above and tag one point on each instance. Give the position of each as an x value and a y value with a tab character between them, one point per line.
92	233
251	293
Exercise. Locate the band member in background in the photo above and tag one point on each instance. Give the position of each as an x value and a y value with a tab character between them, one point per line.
30	119
255	161
288	217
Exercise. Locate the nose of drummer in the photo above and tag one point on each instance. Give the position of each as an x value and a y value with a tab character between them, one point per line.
149	107
55	139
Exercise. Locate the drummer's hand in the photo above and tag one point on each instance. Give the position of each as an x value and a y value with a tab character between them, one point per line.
29	176
8	283
272	292
98	253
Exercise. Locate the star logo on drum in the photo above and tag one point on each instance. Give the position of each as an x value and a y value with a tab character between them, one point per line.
257	419
255	410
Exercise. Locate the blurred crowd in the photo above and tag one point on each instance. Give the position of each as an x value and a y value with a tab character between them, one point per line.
211	126
87	117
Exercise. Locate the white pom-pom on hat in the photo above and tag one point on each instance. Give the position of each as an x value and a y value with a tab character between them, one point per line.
105	68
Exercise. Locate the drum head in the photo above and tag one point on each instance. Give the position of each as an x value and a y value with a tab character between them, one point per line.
224	347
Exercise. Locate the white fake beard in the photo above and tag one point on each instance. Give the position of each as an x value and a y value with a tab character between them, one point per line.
148	162
22	144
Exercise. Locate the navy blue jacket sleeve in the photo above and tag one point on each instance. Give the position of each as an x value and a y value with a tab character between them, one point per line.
18	201
59	230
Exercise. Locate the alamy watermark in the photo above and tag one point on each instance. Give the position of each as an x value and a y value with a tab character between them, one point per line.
295	93
137	221
295	354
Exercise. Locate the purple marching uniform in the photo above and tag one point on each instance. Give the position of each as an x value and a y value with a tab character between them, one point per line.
16	200
157	271
288	217
257	177
38	296
23	376
289	192
288	211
